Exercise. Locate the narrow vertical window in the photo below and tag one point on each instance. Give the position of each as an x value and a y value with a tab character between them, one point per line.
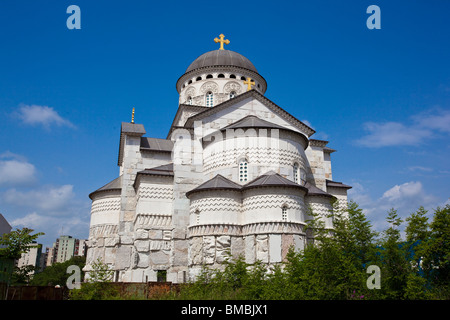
189	100
284	210
197	216
232	94
243	171
209	99
296	173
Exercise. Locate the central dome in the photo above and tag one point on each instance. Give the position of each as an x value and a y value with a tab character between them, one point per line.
221	58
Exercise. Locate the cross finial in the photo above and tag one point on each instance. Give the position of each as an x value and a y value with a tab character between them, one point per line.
222	41
132	116
249	83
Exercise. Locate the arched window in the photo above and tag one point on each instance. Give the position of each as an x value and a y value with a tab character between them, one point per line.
243	78
296	173
209	76
232	94
209	99
243	170
189	100
284	213
198	79
221	76
232	76
190	81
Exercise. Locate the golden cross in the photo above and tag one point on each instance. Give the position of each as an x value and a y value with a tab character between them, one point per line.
222	41
249	83
132	116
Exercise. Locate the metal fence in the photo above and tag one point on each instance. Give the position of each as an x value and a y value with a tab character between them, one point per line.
127	290
36	293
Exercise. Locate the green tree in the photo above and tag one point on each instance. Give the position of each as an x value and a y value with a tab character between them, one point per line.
395	267
56	274
436	253
99	285
17	242
12	245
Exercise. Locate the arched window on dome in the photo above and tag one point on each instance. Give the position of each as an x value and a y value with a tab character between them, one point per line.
209	76
232	76
284	213
221	75
198	79
190	81
232	94
209	99
243	170
243	78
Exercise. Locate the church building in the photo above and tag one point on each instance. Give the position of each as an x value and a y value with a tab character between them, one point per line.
236	175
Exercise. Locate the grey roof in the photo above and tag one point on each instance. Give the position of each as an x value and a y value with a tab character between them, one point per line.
314	191
221	58
253	122
336	184
116	184
218	182
133	128
272	178
164	170
5	227
155	144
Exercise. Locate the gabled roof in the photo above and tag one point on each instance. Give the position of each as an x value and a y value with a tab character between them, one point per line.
132	128
253	122
314	191
116	184
218	182
164	170
258	96
181	108
155	144
336	184
272	178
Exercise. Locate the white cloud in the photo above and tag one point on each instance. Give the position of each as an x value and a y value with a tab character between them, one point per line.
439	121
392	134
74	225
406	198
48	199
420	168
425	125
15	170
42	115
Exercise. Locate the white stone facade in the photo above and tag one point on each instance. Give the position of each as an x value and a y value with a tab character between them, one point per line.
183	202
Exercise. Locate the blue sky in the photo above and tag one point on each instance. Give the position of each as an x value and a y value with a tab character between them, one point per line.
381	97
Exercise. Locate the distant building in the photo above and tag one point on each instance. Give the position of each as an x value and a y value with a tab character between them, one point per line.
65	248
33	257
50	255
